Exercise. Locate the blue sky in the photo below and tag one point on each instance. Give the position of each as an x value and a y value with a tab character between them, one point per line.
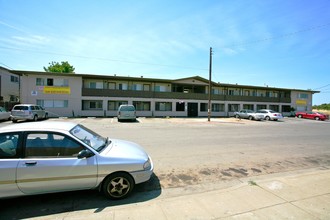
278	43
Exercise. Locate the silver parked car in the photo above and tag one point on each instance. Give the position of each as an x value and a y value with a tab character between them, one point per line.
4	114
47	157
248	114
28	112
270	114
126	112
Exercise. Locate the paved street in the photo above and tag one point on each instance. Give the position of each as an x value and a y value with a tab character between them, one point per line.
195	156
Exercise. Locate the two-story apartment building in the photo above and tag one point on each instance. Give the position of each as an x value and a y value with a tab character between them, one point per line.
85	95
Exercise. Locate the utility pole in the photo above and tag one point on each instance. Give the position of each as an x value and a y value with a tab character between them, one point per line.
210	88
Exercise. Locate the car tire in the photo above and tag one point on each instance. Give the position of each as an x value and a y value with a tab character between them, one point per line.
35	118
46	116
250	118
299	116
267	118
236	116
317	118
118	186
14	120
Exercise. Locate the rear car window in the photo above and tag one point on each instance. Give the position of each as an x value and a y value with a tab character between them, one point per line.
127	108
21	107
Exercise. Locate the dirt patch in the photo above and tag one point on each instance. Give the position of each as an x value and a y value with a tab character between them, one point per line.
181	178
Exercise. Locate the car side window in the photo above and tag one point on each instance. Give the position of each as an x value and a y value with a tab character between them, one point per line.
8	146
51	145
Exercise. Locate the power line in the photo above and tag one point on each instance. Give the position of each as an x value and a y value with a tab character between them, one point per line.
6	66
322	87
281	36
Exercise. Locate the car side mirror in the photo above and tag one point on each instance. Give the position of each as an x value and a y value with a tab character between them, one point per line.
85	154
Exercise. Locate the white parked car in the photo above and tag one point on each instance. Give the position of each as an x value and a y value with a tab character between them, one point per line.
248	114
270	114
47	157
28	112
4	114
126	112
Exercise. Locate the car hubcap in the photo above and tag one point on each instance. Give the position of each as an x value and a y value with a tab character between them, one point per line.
119	187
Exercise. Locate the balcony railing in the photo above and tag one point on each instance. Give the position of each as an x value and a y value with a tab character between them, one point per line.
178	95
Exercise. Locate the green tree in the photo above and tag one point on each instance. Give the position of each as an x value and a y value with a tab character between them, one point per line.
56	67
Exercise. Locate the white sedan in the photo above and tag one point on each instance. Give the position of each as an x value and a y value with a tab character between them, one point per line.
270	114
46	157
4	114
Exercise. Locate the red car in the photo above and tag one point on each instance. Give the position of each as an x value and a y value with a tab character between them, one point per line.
312	115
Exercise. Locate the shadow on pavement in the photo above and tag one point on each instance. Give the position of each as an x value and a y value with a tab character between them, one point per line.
59	203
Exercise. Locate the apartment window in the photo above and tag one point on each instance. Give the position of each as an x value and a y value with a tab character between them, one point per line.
163	106
61	82
141	106
204	107
247	92
215	91
40	82
180	106
302	96
111	85
286	108
146	87
92	105
246	106
218	107
261	107
233	107
114	105
96	85
274	107
137	87
14	79
50	82
160	88
230	92
53	103
122	86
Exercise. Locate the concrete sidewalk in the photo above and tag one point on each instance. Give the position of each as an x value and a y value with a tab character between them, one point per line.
305	195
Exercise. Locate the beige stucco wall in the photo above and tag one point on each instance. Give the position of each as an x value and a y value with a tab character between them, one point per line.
8	87
301	104
30	93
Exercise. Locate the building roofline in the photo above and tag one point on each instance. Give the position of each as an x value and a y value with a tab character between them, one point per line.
105	77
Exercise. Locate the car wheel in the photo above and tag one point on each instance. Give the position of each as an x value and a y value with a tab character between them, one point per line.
250	118
14	120
35	118
46	116
317	118
267	118
299	116
118	185
236	116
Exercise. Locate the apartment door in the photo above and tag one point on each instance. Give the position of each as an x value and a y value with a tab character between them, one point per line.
192	109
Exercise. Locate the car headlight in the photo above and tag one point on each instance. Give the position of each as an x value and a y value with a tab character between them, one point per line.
147	165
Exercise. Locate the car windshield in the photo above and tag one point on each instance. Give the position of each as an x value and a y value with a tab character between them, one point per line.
94	140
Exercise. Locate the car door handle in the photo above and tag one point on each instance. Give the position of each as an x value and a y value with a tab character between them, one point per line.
31	163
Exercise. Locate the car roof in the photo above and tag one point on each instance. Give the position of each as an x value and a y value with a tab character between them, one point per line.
40	126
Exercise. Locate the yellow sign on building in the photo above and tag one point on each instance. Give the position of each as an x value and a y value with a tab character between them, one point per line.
301	102
56	90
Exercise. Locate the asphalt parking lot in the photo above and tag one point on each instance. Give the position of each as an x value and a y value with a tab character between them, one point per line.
193	155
